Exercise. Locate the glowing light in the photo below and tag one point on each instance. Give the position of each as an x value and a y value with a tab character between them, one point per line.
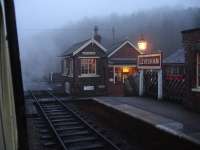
125	70
142	45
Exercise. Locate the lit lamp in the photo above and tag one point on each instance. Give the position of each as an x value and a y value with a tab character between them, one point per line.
142	45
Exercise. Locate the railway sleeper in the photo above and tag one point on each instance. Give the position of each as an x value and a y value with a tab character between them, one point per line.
79	133
61	120
49	143
44	131
46	137
87	146
81	139
70	128
66	123
54	110
61	116
57	113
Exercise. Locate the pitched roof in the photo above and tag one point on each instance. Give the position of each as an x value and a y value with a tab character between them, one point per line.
105	43
74	47
77	47
177	57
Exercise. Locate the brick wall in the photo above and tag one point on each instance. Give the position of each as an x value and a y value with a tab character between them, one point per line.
127	51
190	39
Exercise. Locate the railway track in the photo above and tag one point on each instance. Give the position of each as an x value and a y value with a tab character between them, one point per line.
67	130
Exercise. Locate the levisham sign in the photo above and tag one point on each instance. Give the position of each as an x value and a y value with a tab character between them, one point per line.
151	61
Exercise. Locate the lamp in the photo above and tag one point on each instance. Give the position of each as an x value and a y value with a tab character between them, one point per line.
142	44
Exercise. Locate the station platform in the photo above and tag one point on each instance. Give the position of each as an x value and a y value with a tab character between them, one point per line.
169	117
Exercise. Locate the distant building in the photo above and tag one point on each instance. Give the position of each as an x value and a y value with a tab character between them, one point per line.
90	68
174	65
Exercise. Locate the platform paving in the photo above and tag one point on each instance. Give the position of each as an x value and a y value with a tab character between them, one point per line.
170	117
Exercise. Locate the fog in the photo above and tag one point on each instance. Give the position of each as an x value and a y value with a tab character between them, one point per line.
47	27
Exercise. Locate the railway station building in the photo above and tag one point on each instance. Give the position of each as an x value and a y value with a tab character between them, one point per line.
90	68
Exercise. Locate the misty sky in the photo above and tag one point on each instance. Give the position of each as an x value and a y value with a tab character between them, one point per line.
44	14
41	23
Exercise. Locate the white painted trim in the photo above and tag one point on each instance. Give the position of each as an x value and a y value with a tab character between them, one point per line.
150	68
88	76
87	43
71	76
141	83
125	42
95	57
99	45
197	72
65	75
71	67
160	84
122	65
149	55
88	67
114	74
195	89
65	69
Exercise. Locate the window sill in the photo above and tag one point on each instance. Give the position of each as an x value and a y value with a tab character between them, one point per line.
196	90
89	76
71	76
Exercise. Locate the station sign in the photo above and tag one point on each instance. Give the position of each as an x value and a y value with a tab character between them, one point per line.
150	61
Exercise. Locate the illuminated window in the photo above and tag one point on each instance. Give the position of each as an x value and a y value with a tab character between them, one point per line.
198	70
125	70
88	66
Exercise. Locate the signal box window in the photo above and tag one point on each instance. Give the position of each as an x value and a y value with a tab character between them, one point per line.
88	66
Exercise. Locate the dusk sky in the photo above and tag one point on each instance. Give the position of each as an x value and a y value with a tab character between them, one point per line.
40	14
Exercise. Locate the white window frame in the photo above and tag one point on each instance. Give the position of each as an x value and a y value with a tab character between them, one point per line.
71	68
88	74
197	67
65	69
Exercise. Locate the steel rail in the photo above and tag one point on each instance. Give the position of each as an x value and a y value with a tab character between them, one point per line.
49	122
109	142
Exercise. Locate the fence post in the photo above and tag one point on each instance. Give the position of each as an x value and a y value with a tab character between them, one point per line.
141	83
160	84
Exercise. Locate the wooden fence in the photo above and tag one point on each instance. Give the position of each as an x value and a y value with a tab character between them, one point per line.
174	88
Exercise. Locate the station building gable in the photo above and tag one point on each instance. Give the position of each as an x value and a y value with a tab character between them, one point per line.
124	49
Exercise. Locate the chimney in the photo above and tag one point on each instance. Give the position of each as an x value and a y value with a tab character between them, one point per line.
97	37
